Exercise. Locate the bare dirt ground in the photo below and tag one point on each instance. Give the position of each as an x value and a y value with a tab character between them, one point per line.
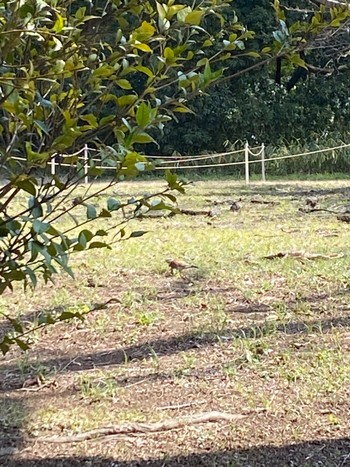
266	340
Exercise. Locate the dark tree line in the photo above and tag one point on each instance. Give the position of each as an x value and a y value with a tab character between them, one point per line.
304	102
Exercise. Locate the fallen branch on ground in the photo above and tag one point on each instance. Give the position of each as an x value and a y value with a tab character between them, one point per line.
137	428
155	215
180	406
262	201
190	212
344	218
308	210
303	255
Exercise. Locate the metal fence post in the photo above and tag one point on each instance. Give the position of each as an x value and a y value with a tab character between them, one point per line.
86	164
246	162
263	174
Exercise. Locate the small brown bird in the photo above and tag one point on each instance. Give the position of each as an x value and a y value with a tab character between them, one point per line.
234	206
178	265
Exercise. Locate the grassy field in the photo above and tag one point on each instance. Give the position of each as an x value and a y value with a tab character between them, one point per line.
265	339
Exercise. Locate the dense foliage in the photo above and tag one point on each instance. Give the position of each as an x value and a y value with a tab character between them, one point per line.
111	74
96	72
315	112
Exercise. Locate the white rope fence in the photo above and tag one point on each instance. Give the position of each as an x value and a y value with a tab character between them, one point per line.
83	154
196	158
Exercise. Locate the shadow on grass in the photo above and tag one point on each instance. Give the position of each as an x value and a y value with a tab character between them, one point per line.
325	453
13	414
178	343
280	191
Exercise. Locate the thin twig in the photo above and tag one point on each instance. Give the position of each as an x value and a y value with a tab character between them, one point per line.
180	406
137	428
303	255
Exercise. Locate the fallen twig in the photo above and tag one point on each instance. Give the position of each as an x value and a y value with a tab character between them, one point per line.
308	210
303	255
135	428
190	212
180	406
155	215
344	218
49	384
289	231
263	201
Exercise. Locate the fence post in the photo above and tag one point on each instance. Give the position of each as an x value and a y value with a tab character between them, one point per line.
263	173
86	165
246	162
53	166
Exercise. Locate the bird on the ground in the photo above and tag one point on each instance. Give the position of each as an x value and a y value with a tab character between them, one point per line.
214	212
234	206
179	265
311	202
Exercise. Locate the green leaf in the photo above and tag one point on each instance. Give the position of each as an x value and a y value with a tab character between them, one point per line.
36	157
143	47
161	11
173	10
171	178
104	213
113	204
129	99
145	70
46	318
40	227
183	13
138	233
142	138
169	54
159	205
253	54
59	24
5	344
143	115
61	143
101	233
91	212
298	61
183	109
32	276
35	207
21	344
26	185
80	13
103	71
124	84
84	237
43	127
194	17
67	315
144	32
17	326
15	275
90	119
99	245
171	197
95	172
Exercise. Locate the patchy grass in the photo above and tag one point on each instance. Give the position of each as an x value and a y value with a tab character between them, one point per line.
268	339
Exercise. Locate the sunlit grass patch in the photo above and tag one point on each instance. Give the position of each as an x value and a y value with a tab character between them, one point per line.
239	332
